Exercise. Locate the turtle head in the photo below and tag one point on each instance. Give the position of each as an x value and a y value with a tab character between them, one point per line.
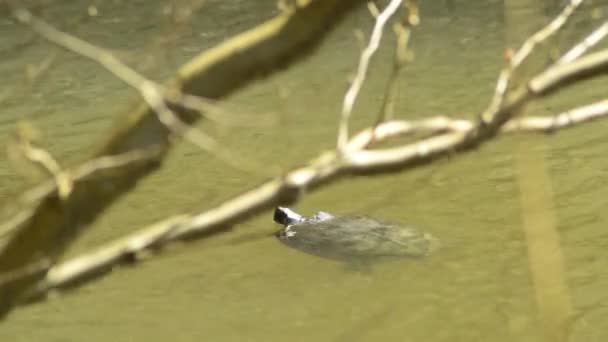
286	216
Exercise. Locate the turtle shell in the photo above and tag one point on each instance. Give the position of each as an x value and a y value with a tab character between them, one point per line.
355	238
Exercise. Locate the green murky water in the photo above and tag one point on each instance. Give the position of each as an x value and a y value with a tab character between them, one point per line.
246	286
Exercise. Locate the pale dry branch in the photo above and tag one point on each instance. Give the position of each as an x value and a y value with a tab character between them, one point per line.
589	66
504	79
542	35
563	120
401	128
581	48
400	58
442	124
92	168
80	47
554	78
43	159
91	265
362	70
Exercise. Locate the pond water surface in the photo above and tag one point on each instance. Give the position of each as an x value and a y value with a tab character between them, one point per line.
246	286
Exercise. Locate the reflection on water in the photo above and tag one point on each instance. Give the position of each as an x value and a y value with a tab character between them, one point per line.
244	285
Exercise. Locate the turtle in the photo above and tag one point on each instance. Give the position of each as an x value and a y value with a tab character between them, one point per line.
351	238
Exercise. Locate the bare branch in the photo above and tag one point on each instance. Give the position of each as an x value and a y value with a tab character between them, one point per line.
563	120
400	128
503	83
368	53
590	41
442	124
80	47
91	265
554	26
43	159
400	58
589	66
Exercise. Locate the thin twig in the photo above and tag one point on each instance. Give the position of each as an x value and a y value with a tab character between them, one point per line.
152	92
563	120
581	48
44	160
504	79
557	76
402	32
401	128
554	26
368	53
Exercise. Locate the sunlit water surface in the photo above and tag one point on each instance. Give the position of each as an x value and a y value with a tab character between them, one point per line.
246	286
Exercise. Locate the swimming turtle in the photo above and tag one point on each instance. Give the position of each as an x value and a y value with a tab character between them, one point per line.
351	238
